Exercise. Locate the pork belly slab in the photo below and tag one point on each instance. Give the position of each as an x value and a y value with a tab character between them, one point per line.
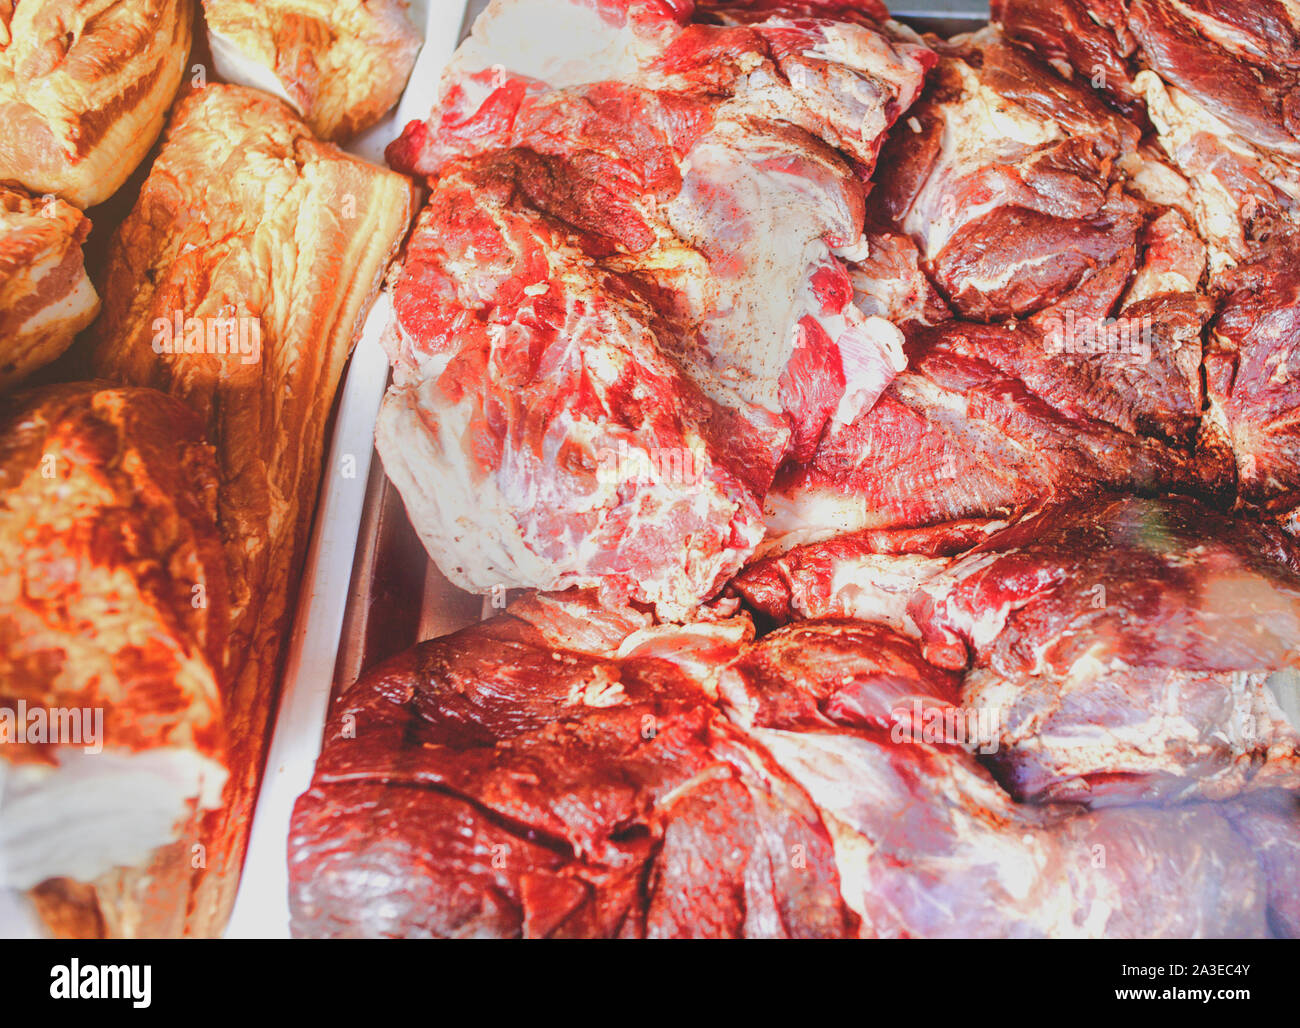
341	64
84	89
113	602
238	284
46	297
699	784
629	299
1136	649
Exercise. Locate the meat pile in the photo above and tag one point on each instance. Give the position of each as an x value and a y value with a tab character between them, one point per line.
539	776
627	301
898	441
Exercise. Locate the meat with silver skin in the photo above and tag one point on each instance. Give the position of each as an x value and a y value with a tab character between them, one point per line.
1270	822
1137	650
490	784
870	575
670	222
929	845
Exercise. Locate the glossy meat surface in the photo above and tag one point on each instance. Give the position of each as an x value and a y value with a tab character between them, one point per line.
702	784
1136	648
669	220
549	793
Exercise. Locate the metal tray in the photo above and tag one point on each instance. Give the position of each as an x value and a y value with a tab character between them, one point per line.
398	597
369	589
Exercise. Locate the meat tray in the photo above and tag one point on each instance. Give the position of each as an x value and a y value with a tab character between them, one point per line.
369	590
343	495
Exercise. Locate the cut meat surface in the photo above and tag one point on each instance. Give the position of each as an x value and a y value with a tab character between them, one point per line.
1238	61
1270	822
833	71
1254	390
1090	38
1242	193
928	844
961	435
889	282
868	575
628	301
1133	648
701	784
1239	78
488	784
1004	175
1220	82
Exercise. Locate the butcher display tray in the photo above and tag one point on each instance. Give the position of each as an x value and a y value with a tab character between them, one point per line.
361	605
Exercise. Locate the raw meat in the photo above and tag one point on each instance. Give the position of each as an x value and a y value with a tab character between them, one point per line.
1133	647
868	575
490	784
960	435
1005	176
487	784
552	442
927	843
1090	38
1252	381
890	282
1270	822
633	264
1238	61
1219	81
